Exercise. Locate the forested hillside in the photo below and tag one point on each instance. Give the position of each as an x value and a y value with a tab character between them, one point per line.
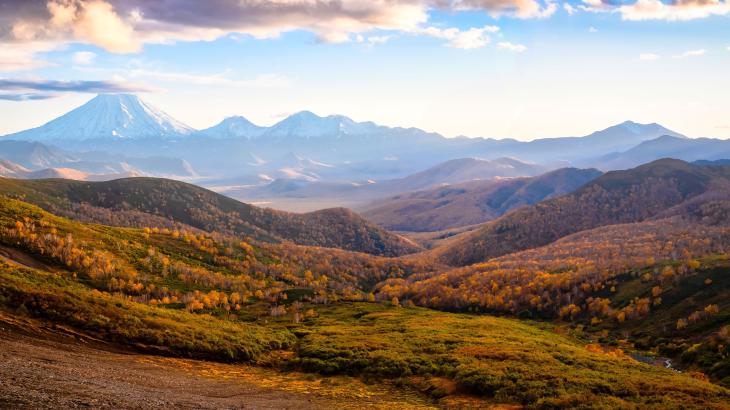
471	203
617	197
139	202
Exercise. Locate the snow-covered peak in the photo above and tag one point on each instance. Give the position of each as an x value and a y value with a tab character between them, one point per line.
307	124
630	132
234	127
637	128
109	116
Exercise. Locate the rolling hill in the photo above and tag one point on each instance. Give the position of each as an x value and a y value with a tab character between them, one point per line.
472	203
153	201
187	295
657	287
616	197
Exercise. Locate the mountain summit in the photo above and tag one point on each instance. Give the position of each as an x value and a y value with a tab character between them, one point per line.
234	127
307	124
629	133
108	116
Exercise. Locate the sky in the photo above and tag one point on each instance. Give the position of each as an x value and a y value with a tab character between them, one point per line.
520	69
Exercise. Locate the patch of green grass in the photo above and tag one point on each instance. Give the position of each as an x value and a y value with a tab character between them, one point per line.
157	330
504	359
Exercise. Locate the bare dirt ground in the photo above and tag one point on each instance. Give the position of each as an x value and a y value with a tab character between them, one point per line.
19	258
41	367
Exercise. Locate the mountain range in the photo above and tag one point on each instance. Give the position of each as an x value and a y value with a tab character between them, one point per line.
303	155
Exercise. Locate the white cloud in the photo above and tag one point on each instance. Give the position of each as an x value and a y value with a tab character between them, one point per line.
373	40
592	29
378	39
37	89
467	39
691	53
515	8
83	57
649	57
18	56
676	10
95	22
595	6
123	26
506	45
569	9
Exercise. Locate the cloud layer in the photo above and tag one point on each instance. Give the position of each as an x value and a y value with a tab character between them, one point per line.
23	90
124	26
675	10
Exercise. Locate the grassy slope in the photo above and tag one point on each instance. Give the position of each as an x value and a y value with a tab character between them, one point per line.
504	359
164	200
63	300
500	360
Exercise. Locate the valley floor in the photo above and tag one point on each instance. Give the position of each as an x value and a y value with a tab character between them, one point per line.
45	369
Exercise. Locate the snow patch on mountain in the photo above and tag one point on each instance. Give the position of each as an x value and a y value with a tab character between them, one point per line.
234	127
309	125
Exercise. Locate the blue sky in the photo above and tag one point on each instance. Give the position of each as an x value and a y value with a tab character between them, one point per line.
491	68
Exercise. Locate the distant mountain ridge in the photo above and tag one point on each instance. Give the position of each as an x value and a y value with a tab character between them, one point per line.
36	156
667	146
450	172
336	150
126	116
12	170
473	202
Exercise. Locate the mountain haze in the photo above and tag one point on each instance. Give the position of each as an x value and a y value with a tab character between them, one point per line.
472	203
667	146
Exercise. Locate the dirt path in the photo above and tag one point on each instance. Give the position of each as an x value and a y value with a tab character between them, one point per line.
46	370
19	258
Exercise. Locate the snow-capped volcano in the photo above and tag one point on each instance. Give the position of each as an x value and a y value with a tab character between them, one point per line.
109	116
